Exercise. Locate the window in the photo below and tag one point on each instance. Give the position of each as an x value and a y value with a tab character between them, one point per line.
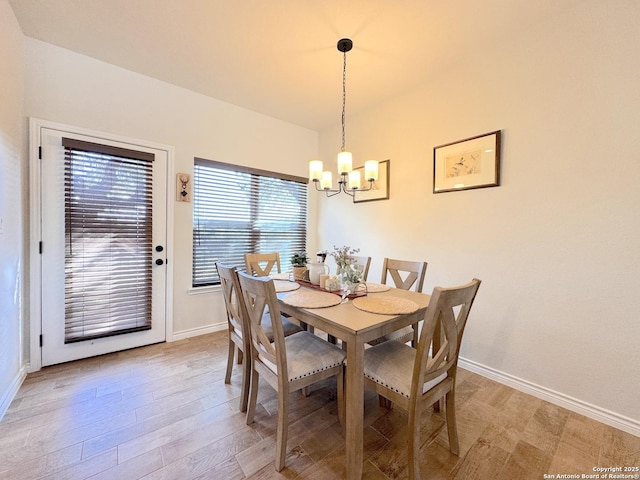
239	210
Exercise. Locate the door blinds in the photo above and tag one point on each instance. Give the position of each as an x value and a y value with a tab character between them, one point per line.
108	242
239	210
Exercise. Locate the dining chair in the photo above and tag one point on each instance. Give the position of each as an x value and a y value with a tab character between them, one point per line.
362	261
413	378
287	364
261	264
405	274
238	324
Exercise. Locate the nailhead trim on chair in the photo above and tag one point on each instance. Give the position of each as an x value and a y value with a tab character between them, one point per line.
308	354
307	374
387	386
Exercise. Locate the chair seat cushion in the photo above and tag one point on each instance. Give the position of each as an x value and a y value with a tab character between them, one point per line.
308	354
391	365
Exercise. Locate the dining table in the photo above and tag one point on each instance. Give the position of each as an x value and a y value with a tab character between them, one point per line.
355	327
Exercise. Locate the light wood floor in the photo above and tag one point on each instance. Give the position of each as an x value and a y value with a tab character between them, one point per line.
164	412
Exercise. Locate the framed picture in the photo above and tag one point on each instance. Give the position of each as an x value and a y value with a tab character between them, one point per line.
380	188
466	164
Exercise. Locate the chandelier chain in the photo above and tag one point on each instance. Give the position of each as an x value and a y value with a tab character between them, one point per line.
344	94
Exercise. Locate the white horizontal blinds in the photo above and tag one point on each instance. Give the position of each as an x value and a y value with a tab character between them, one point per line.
108	241
239	210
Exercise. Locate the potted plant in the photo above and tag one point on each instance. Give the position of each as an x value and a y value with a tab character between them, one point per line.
299	263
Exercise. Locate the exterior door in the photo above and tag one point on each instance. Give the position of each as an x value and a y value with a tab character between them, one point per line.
103	245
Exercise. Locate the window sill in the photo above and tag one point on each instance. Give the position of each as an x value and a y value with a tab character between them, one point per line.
203	290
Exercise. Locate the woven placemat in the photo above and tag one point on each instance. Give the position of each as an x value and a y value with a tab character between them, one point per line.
377	287
312	299
280	276
385	305
285	286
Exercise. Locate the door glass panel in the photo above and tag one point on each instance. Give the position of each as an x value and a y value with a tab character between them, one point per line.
108	241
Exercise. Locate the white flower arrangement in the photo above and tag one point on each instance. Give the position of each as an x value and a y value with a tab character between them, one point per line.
344	260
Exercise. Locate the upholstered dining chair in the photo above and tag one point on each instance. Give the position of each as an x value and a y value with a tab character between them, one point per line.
261	264
414	378
238	324
287	364
363	261
405	274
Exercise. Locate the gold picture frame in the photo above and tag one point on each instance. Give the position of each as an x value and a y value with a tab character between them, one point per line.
466	164
380	189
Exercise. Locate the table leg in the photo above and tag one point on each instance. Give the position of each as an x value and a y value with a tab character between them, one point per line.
354	409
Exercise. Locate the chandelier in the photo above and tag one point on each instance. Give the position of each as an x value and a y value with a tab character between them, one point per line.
349	180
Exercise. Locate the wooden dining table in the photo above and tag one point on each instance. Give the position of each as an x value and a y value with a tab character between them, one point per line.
356	327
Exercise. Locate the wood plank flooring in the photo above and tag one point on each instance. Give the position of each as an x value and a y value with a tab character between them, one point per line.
164	412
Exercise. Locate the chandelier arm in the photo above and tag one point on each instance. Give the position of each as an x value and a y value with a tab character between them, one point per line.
371	182
352	191
316	182
333	194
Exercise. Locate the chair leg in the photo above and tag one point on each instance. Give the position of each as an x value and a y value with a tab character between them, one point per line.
281	442
340	399
384	402
246	379
452	428
232	348
240	356
253	396
413	451
416	336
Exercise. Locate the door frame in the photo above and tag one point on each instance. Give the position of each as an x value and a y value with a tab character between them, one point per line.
35	229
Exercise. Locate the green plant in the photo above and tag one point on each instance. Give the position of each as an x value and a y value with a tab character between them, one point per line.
299	259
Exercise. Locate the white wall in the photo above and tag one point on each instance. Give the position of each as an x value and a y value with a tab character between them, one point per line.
69	88
12	205
556	245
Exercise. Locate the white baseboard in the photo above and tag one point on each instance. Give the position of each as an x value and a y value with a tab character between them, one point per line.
607	417
8	396
194	332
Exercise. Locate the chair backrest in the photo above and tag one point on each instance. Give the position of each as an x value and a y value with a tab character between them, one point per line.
363	261
259	295
413	273
236	313
261	264
441	334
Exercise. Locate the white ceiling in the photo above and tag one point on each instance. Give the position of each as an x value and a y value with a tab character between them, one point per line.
279	57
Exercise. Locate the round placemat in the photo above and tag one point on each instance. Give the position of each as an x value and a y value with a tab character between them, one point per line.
377	287
285	286
311	299
385	305
280	276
